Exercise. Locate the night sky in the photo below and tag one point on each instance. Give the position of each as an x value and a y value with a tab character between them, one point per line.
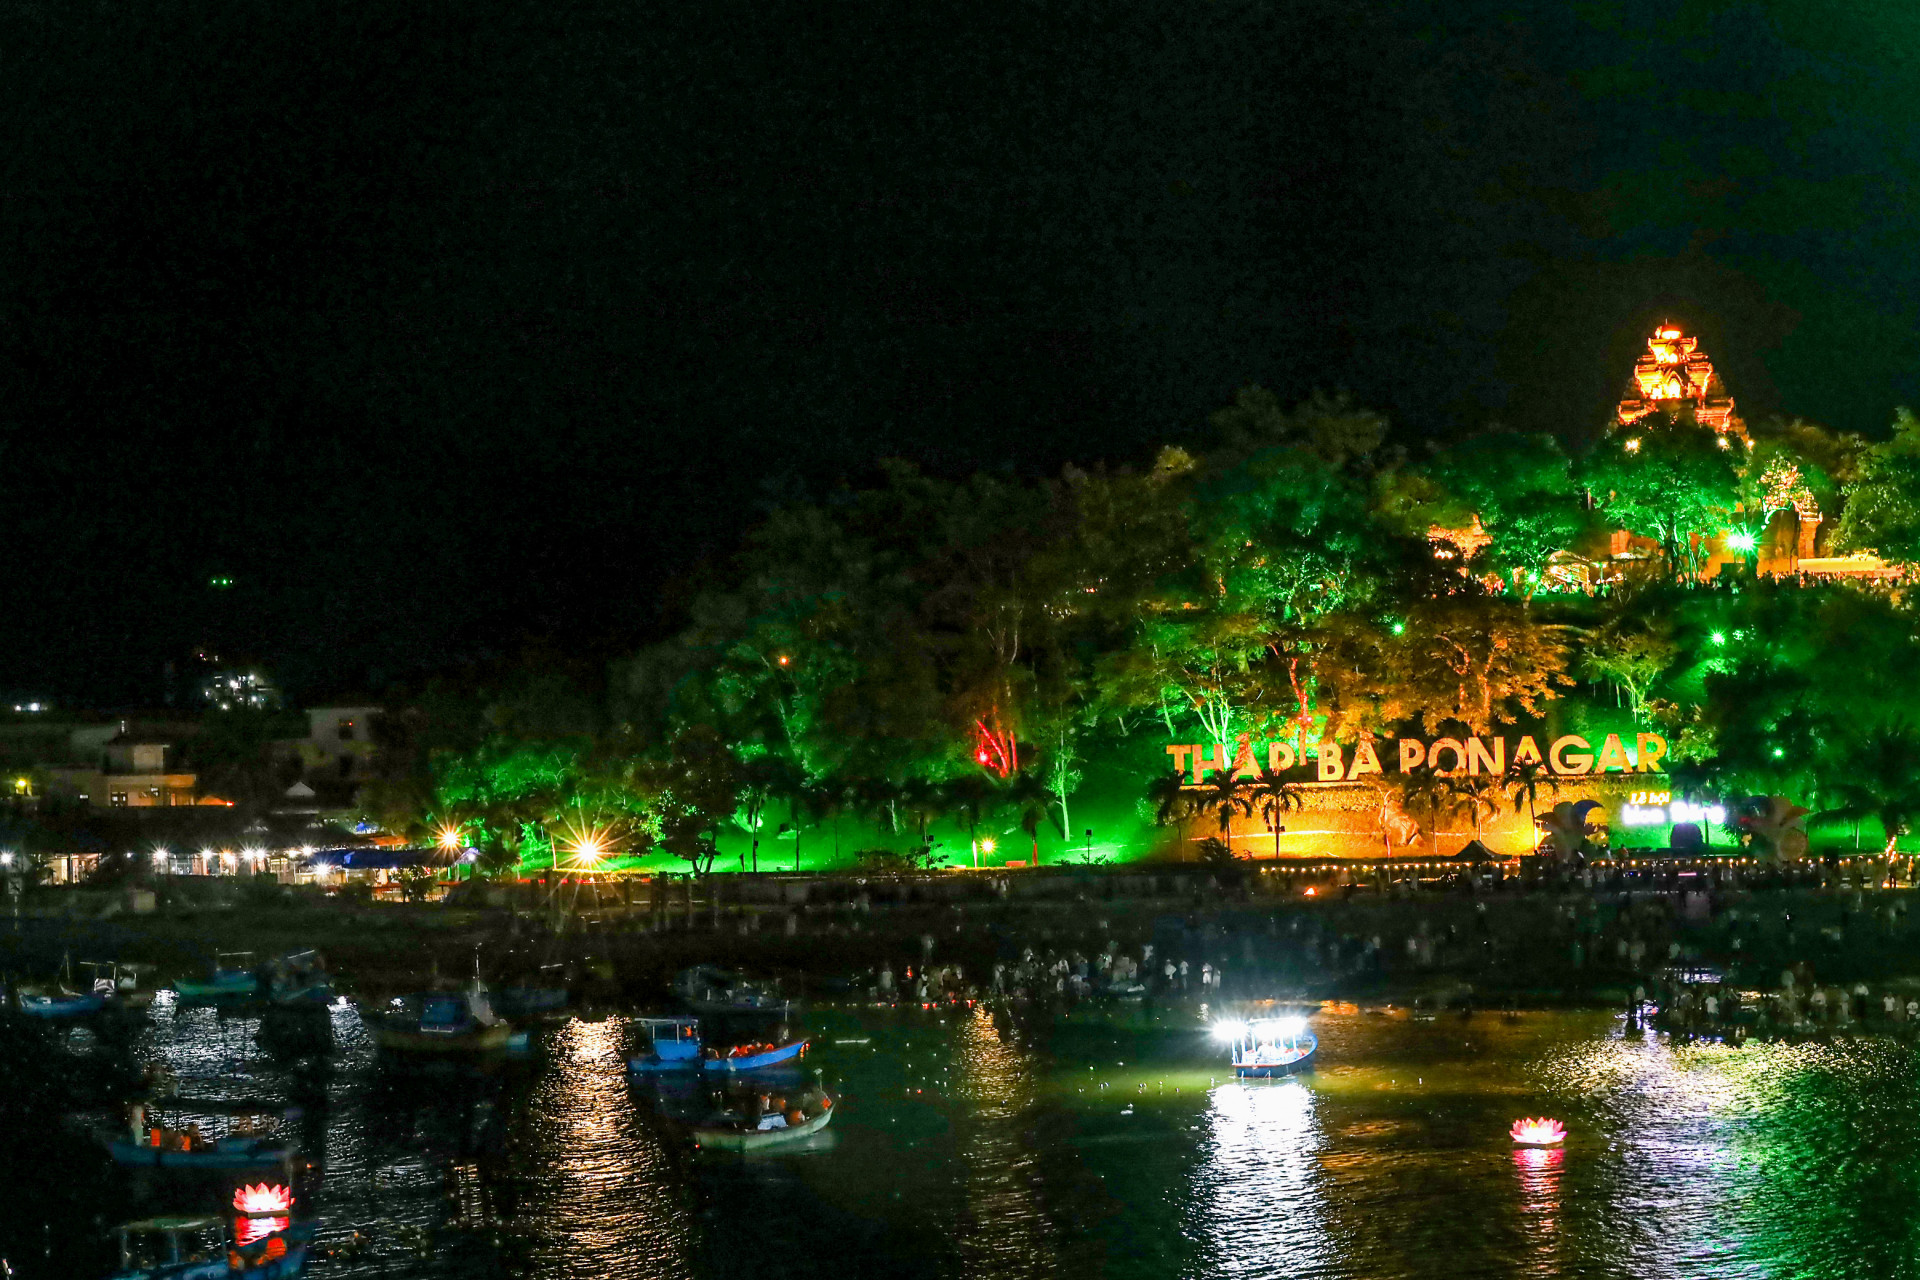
446	327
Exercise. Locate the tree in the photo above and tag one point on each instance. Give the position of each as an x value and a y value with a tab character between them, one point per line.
1474	795
1462	659
1631	655
1525	782
1522	489
1879	779
1670	479
1883	503
1272	796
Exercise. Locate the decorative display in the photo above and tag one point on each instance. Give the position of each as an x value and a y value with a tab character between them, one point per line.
1538	1133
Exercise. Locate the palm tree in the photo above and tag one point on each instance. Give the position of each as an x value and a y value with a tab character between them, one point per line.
1270	795
1426	789
1477	796
1525	782
1226	798
1027	793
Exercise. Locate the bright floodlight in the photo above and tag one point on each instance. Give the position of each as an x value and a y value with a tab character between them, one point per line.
1288	1026
1229	1030
450	839
590	849
986	844
1740	541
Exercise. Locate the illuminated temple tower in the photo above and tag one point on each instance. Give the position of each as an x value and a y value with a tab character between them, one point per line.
1675	376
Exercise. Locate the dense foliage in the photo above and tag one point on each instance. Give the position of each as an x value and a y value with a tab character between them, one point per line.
926	649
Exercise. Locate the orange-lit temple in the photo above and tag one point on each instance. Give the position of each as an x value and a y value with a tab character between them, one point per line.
1675	377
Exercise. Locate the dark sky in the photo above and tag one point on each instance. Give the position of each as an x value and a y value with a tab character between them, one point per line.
443	325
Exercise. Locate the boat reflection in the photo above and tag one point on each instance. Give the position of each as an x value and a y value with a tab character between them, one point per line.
1258	1189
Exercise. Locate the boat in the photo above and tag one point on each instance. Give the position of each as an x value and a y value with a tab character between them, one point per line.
439	1022
299	977
60	1001
761	1056
709	989
249	1143
739	1137
1270	1047
673	1045
233	978
196	1248
119	983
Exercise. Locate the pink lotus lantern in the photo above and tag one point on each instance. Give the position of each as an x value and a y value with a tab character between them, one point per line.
1539	1133
262	1200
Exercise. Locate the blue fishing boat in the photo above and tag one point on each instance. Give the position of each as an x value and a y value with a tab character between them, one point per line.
673	1045
193	1248
1270	1047
233	978
249	1143
755	1057
439	1022
60	1004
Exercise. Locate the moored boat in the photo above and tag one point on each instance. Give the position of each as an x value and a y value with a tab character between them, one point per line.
673	1045
753	1057
709	989
299	977
197	1248
445	1022
233	978
792	1128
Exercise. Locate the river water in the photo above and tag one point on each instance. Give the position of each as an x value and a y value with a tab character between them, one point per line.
956	1151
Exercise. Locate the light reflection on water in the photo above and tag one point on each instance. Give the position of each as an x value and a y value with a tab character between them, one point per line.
961	1154
1256	1194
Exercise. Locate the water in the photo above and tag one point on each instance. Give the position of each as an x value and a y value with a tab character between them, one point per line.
954	1153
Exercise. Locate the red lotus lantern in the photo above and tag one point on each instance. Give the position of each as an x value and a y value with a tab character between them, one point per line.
261	1200
1538	1133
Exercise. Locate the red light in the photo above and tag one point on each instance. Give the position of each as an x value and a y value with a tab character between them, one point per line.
261	1198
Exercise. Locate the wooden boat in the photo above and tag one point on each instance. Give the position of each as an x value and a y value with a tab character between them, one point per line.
674	1045
119	983
740	1138
60	1003
299	977
228	981
1274	1047
193	1248
769	1057
709	989
250	1142
442	1022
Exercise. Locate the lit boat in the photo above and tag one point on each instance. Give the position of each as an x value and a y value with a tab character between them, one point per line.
1538	1133
439	1022
710	989
248	1144
272	1255
741	1138
770	1056
233	978
674	1045
1270	1047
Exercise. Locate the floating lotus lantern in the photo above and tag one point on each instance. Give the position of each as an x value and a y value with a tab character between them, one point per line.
1539	1133
262	1200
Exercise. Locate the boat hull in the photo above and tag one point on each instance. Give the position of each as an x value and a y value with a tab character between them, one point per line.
236	989
748	1140
1273	1070
256	1155
414	1040
754	1062
62	1006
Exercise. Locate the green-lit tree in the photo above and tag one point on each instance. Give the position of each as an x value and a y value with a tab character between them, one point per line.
1883	501
1669	479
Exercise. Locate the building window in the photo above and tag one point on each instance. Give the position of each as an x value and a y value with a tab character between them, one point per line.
117	799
